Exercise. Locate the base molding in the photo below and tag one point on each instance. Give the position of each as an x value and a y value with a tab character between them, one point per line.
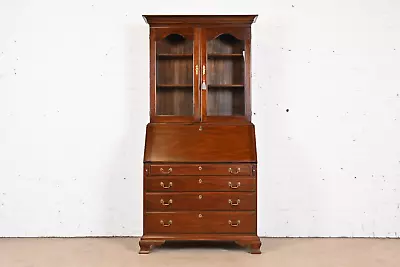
251	242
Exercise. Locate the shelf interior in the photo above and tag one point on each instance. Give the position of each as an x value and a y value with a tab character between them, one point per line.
175	85
225	68
174	56
226	85
174	76
225	55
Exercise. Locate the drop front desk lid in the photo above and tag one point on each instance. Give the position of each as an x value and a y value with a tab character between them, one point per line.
187	143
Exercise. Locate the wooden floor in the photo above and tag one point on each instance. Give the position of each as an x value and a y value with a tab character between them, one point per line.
116	252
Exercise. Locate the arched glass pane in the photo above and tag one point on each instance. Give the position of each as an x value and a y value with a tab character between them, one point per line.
225	76
174	76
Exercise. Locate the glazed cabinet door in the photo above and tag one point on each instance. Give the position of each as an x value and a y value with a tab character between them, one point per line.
225	77
174	75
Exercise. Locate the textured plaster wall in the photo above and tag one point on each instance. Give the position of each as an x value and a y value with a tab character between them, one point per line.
74	105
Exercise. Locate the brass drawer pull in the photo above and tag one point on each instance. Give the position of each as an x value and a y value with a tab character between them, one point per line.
234	187
232	172
233	224
234	204
166	187
166	225
166	203
167	172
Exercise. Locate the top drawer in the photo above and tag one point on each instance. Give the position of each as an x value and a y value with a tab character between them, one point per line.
201	169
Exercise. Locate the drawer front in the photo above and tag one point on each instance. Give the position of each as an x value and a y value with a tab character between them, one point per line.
200	222
200	183
201	169
216	201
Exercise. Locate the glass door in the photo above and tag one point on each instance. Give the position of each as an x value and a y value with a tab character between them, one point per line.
224	83
175	85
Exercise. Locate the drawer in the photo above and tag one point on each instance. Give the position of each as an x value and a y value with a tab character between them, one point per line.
201	169
200	222
200	183
216	201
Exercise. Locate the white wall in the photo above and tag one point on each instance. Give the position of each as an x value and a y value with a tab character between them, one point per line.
74	105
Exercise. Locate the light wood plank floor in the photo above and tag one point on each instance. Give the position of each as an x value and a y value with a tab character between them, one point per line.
123	252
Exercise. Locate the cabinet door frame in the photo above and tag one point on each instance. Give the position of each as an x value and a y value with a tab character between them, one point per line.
243	33
156	34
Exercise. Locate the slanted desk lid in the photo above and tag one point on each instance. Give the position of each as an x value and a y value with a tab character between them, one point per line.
200	143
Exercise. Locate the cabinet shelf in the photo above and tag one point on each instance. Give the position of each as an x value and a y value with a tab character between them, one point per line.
174	85
168	56
226	85
190	85
217	55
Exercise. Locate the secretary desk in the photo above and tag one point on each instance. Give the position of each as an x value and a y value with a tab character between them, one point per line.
200	161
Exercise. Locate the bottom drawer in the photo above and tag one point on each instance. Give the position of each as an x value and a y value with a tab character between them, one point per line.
200	222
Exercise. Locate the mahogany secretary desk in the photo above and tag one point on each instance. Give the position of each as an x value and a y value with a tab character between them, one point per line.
200	160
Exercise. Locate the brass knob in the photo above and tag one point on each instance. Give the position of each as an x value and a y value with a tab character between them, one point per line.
200	181
166	187
200	196
200	168
200	215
